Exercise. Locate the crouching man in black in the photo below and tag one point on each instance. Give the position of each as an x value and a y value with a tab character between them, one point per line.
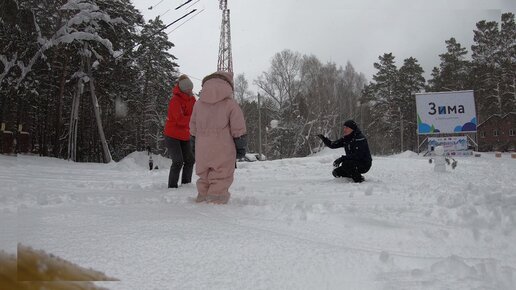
357	159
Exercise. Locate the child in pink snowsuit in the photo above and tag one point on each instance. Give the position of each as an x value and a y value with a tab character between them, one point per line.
218	129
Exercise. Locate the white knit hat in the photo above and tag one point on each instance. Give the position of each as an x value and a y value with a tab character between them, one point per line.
185	84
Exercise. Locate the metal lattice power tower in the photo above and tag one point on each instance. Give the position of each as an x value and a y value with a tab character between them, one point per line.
225	62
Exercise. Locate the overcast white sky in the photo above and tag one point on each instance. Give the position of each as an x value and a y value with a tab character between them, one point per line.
333	30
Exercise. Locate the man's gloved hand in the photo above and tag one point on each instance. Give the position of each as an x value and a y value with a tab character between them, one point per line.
325	140
338	161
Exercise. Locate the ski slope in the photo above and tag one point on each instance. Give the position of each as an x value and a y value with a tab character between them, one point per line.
288	225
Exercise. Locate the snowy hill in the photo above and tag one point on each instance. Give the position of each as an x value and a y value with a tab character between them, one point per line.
140	160
288	225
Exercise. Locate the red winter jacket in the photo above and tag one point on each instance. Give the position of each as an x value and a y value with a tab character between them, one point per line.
179	112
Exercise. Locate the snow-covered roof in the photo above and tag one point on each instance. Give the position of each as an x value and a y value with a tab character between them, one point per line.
497	116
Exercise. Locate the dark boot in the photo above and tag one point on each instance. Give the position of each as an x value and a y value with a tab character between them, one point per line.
341	171
358	178
187	173
173	175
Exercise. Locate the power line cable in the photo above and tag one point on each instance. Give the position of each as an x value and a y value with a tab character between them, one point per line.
192	4
150	36
185	21
150	8
183	4
192	77
165	12
189	6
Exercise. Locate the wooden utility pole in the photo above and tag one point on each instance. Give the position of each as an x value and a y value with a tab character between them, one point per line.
259	128
401	129
59	104
74	118
105	148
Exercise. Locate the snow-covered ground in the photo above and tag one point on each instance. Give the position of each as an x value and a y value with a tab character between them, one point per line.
288	225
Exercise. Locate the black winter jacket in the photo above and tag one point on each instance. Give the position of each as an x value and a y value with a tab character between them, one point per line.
355	145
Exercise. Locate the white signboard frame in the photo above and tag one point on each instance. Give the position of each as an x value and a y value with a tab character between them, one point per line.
453	145
446	112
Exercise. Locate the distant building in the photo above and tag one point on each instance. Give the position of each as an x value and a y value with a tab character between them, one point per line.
14	142
497	133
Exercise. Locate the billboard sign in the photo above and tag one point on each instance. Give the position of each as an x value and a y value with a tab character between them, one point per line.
453	146
446	112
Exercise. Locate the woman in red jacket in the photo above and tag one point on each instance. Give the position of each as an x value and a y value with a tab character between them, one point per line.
177	132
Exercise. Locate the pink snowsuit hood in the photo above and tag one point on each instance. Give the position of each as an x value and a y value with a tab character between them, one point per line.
220	90
216	120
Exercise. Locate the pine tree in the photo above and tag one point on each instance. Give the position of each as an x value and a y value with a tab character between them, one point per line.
435	84
44	46
506	57
494	52
119	78
411	81
485	68
454	70
158	75
385	110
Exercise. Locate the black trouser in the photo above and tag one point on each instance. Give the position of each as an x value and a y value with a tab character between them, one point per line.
352	169
182	157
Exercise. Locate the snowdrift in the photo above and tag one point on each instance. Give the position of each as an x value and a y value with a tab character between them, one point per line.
140	160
